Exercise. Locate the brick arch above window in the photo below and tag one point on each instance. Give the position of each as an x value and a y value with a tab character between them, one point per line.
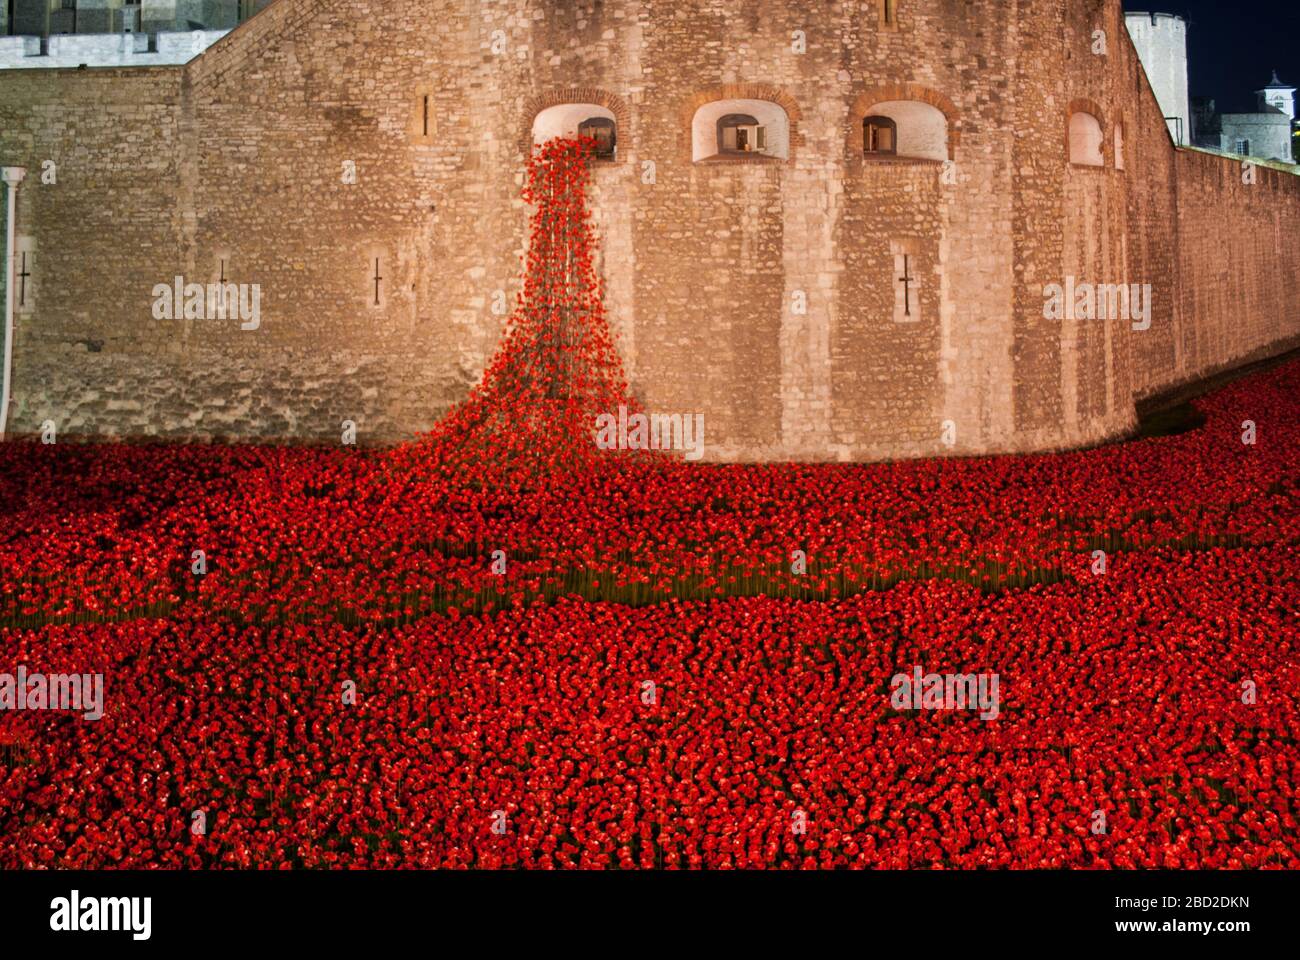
562	95
740	91
1084	105
866	101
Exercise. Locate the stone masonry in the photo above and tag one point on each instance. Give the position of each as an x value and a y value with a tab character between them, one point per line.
766	293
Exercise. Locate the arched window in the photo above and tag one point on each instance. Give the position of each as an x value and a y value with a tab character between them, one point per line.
573	120
741	133
1086	140
879	135
905	129
732	129
602	130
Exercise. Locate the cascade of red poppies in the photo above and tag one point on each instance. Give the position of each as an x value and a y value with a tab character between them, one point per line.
556	369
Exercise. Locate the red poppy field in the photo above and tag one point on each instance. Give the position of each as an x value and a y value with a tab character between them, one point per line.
517	700
495	647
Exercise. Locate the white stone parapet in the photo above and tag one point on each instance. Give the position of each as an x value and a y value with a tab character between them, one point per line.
106	49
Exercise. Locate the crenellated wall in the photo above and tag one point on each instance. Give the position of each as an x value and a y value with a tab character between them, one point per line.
762	293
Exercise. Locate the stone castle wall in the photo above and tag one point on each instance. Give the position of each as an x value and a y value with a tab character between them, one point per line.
762	294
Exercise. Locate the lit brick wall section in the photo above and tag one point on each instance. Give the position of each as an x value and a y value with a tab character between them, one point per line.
104	233
1239	288
239	157
1090	375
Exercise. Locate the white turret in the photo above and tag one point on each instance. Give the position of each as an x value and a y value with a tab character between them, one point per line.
1161	43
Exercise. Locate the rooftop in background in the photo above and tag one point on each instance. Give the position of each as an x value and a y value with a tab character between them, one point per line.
115	33
105	49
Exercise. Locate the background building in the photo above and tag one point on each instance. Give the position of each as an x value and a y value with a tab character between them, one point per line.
1265	132
96	33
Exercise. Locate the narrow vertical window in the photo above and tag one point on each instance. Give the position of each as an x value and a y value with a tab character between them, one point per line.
423	122
889	12
906	280
22	275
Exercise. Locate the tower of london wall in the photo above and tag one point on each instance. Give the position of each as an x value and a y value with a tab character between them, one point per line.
362	164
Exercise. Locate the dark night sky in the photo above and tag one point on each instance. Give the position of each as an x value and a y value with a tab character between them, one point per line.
1234	47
